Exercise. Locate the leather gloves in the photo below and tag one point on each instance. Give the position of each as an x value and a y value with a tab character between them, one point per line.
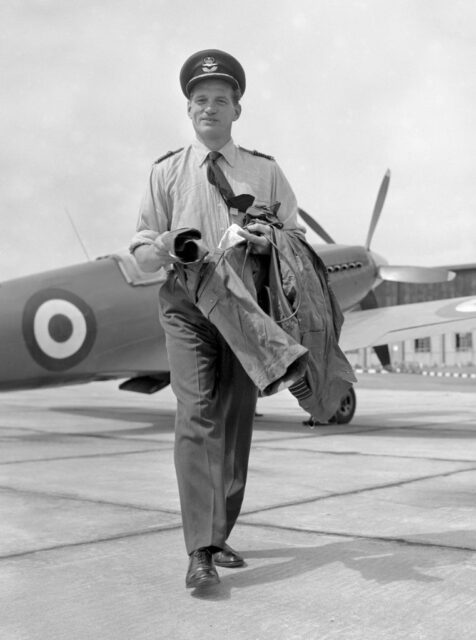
181	245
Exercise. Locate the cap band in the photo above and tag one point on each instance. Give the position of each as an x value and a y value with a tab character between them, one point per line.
211	76
212	63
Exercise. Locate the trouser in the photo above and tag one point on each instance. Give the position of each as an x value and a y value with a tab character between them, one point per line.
216	402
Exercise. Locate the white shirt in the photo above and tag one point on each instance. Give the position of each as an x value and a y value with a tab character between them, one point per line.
179	194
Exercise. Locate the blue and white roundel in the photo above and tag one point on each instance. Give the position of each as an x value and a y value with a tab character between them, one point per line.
59	329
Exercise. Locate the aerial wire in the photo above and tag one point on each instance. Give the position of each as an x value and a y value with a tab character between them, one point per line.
77	234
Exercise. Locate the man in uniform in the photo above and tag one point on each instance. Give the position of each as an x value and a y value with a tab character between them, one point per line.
216	400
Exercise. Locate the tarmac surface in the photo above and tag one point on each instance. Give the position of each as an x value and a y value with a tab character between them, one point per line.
359	531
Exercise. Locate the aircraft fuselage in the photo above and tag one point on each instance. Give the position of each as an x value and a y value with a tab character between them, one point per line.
78	324
99	320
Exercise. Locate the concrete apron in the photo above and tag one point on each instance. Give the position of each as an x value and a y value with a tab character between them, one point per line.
362	531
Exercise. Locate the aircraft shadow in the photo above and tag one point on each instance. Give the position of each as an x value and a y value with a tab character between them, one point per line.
155	422
391	425
375	560
117	413
163	419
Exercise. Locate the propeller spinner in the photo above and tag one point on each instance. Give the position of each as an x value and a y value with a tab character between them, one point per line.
397	273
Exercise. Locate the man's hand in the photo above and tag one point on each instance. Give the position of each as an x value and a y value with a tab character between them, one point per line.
147	258
258	235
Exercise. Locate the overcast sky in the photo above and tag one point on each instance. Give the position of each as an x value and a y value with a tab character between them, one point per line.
337	91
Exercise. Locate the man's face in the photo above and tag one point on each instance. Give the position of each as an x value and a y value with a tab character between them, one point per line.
212	110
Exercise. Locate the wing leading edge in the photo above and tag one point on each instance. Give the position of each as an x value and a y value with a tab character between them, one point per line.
407	321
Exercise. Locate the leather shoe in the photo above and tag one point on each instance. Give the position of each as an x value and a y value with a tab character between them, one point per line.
201	570
227	557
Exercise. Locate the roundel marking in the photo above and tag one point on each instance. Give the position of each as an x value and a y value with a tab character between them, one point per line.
59	329
50	317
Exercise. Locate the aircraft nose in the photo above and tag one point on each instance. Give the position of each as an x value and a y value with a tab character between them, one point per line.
377	259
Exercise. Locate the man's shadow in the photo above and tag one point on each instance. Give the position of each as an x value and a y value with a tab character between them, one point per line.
379	561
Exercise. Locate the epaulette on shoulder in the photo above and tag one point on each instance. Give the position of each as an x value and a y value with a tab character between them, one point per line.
258	153
167	155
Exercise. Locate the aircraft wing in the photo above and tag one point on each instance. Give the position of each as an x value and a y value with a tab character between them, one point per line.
407	321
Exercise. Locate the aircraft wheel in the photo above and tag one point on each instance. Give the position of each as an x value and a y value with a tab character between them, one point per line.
345	412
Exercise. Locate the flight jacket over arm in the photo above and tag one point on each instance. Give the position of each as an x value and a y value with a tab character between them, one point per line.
304	305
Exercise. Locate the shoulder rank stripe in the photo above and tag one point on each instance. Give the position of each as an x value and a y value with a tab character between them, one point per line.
167	155
257	153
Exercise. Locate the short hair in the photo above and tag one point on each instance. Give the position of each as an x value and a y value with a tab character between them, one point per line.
236	96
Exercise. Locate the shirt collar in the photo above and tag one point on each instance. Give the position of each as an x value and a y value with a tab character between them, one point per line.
228	151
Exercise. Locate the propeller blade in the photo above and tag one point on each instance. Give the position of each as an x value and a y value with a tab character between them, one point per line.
315	226
382	193
381	350
418	275
370	301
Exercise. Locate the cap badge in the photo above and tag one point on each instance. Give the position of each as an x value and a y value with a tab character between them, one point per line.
209	64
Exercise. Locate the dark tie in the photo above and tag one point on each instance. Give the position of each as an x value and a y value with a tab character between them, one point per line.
217	178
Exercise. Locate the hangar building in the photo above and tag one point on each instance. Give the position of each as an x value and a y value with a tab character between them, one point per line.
454	350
